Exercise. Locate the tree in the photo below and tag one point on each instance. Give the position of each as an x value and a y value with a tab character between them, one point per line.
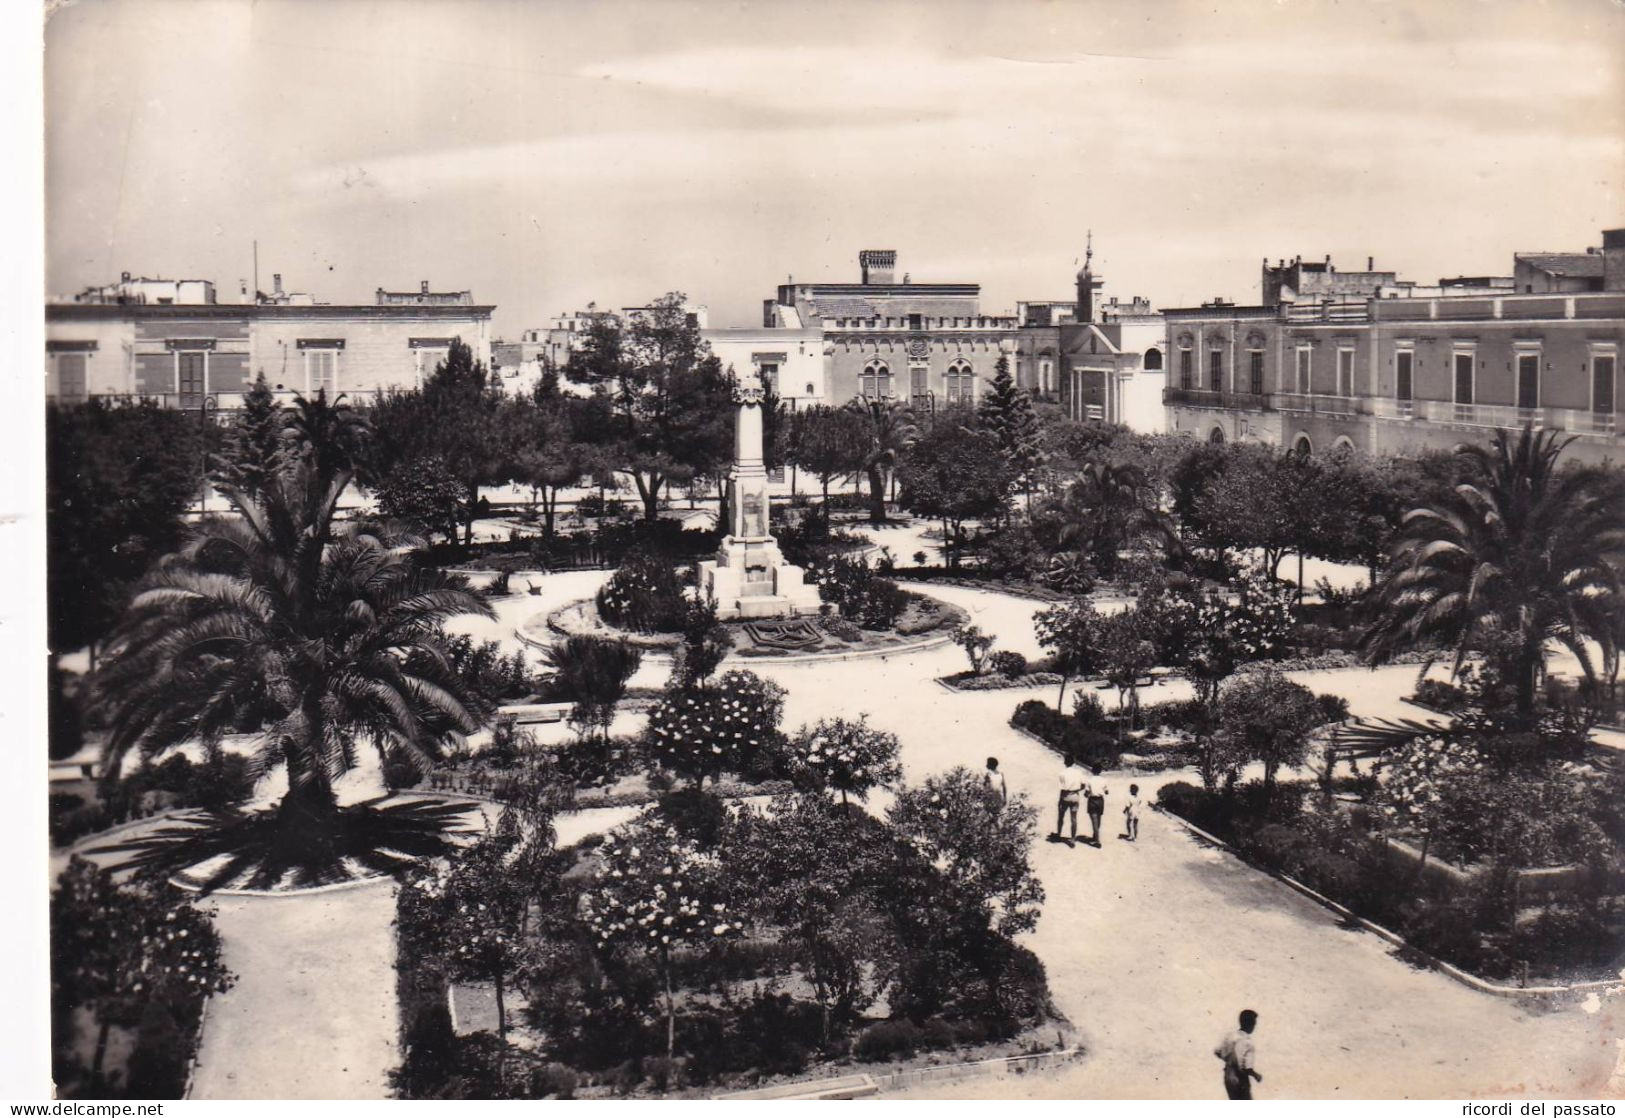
1518	554
551	452
1256	502
423	494
955	472
976	644
656	892
829	443
253	445
1125	657
1263	716
459	416
806	868
594	672
116	950
1072	631
1108	508
703	731
1007	411
706	642
672	402
324	635
117	480
847	755
890	431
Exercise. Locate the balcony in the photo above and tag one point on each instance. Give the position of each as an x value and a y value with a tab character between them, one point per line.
1219	401
218	404
1321	405
1576	421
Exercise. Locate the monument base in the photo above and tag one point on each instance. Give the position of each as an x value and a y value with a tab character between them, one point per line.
749	580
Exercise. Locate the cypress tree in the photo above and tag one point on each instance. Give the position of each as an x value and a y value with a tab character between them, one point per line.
252	449
1007	411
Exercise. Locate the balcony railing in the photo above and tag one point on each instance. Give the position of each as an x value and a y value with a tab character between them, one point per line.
1320	405
1224	401
1577	421
217	403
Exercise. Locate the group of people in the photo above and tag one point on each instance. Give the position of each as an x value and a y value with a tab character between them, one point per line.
1080	786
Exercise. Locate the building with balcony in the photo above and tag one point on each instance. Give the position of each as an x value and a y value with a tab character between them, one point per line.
205	355
925	343
1402	373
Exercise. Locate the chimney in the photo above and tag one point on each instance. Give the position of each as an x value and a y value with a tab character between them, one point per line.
878	265
276	283
1371	263
1613	260
423	287
124	277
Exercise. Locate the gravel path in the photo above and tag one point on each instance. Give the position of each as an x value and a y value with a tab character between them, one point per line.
1151	948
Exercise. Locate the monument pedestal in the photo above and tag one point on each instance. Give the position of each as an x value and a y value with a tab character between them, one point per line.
749	578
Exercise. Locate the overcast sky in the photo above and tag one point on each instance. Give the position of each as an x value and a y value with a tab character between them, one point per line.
548	154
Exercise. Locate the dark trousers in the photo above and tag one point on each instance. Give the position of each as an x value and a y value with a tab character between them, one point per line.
1238	1088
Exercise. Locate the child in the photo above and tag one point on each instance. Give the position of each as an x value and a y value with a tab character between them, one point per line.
994	779
1131	813
1095	798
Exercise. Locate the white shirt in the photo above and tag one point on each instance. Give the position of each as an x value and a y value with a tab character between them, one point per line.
1073	778
1236	1050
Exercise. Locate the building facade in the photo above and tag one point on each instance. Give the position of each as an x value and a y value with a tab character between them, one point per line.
1401	374
205	355
927	344
1111	358
787	360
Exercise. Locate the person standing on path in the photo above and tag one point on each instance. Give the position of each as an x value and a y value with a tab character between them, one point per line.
1073	779
1095	794
994	779
1237	1052
1131	814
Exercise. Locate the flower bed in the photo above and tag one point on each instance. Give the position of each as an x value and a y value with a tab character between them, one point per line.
994	681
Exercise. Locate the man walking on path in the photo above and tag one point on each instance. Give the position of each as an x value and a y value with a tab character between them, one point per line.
1236	1050
1095	795
1072	782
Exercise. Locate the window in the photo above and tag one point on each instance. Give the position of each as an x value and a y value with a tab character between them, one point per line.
322	372
1153	360
1529	380
1046	376
1462	362
1185	370
1404	360
1304	370
1215	370
960	382
1255	371
70	377
875	383
769	372
191	377
1345	372
1602	383
428	361
919	383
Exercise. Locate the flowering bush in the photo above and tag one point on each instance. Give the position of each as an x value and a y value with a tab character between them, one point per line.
703	731
870	599
656	892
849	756
644	595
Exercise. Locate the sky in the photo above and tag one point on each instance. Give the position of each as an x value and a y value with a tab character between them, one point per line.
547	155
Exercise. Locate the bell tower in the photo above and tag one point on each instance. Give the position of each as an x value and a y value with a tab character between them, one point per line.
1088	284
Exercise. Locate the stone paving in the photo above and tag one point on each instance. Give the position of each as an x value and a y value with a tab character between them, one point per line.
1151	948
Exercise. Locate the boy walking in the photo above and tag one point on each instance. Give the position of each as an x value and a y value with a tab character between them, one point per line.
1095	796
1073	779
1131	814
1236	1050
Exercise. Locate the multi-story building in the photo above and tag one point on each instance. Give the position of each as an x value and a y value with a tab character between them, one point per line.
205	354
1111	359
926	343
1405	372
788	360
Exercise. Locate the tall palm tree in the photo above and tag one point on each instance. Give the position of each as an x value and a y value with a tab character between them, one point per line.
320	634
892	430
1520	553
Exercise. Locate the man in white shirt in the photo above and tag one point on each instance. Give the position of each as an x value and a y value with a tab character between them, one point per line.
1236	1050
1073	779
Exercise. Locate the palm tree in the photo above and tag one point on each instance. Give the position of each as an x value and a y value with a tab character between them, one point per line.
892	430
1519	553
593	672
319	634
1107	508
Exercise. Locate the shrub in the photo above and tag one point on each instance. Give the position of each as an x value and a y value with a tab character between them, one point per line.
861	594
1175	715
695	814
842	629
1066	735
644	595
553	1081
1440	696
887	1040
975	644
1087	710
1011	665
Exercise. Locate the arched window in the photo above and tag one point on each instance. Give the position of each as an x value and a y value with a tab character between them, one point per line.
1302	446
1343	443
1153	360
960	381
1216	435
875	383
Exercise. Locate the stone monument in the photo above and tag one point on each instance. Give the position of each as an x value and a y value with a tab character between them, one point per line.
749	577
